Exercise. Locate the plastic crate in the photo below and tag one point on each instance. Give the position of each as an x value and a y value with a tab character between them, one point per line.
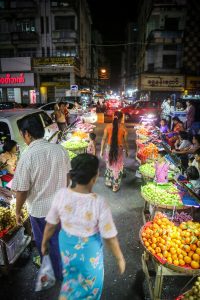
13	246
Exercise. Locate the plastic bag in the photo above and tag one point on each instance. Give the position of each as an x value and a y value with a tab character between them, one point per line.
45	277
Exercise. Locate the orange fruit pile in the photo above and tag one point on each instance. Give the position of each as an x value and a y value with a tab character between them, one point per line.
149	151
142	131
178	245
80	134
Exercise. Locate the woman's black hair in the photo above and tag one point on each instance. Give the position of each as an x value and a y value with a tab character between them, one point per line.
197	137
33	125
113	154
9	145
162	153
183	135
84	167
164	120
92	135
192	173
176	119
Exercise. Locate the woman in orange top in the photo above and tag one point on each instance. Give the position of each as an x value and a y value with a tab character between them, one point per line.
172	137
115	136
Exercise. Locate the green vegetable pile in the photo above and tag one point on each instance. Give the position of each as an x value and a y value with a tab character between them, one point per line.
161	194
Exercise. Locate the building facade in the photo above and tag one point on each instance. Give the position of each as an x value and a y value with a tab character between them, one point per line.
128	73
168	47
56	35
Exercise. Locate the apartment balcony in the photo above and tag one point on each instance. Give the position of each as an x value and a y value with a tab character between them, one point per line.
30	37
59	36
165	36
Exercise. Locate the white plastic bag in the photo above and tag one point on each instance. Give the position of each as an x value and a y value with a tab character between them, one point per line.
45	277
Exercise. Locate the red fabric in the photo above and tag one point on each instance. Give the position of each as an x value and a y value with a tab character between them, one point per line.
7	177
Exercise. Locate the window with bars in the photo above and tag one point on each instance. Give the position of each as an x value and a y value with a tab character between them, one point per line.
65	23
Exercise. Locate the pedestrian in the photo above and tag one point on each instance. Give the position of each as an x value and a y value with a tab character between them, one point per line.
190	115
85	219
54	113
41	171
115	138
92	144
60	116
166	109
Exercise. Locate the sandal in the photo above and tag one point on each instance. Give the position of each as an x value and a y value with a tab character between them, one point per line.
116	188
108	183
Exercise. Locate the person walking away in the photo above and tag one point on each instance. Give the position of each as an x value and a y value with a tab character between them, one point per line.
60	117
190	114
92	144
41	171
9	156
115	136
82	231
166	109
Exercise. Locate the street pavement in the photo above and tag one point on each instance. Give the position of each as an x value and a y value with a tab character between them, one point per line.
126	206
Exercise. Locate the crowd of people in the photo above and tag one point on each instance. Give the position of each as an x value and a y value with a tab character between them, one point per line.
72	236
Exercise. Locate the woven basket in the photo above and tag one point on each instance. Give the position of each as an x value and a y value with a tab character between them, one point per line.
170	207
185	270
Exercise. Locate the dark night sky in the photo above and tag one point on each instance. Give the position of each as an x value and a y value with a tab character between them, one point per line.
110	18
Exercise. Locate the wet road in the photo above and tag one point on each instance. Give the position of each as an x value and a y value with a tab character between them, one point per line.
126	206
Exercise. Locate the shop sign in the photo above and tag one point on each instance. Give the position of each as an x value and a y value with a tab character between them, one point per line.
56	84
152	82
16	79
42	61
193	83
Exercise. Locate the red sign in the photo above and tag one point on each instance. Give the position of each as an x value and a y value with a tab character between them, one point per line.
8	79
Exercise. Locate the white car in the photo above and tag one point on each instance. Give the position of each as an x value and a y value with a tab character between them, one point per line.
9	126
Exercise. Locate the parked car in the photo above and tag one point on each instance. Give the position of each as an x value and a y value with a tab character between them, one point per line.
138	109
49	107
9	125
112	105
9	105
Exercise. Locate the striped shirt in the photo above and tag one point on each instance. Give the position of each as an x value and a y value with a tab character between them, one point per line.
42	170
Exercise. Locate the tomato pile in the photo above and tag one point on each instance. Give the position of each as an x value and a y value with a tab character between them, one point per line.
149	151
178	245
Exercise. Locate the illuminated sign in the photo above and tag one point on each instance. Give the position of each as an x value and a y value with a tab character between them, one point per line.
154	82
54	61
16	79
193	83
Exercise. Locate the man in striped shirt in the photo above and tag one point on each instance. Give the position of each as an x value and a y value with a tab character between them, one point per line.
41	171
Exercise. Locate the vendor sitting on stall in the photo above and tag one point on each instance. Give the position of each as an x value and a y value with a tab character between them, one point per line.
172	137
193	177
161	168
195	161
183	141
9	156
186	153
164	128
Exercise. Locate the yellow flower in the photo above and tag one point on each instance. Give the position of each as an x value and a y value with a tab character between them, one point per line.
68	209
88	215
107	227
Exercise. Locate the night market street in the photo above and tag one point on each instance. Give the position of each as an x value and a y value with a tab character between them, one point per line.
126	206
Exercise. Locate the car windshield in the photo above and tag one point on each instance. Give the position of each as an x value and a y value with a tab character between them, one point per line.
139	105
